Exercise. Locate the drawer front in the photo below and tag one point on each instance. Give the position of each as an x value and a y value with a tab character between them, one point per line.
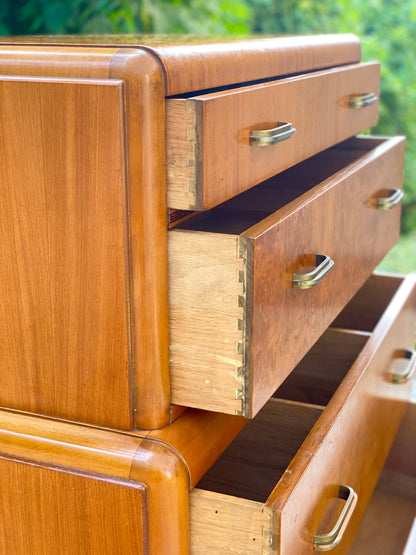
351	440
339	221
346	445
211	156
238	326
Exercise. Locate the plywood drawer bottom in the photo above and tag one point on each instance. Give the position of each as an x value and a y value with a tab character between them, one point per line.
276	487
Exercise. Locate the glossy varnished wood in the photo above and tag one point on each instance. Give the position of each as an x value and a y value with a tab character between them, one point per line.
61	511
230	280
209	154
65	318
191	63
341	449
145	115
139	323
152	468
338	449
195	436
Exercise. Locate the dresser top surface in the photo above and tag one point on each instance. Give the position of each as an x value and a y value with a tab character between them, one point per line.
193	63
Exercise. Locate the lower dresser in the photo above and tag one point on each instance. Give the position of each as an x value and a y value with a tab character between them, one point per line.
296	479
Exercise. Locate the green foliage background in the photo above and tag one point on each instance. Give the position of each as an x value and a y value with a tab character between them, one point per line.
387	29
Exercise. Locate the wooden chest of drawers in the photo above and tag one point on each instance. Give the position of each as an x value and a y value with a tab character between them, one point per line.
246	151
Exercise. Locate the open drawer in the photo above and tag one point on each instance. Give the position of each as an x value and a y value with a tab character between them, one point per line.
222	143
250	286
276	489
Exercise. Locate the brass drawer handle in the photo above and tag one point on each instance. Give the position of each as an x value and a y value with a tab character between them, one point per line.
326	542
385	203
324	264
266	137
362	100
409	354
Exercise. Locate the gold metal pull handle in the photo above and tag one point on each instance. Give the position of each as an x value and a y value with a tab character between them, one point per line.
386	203
409	354
267	137
324	264
326	542
362	100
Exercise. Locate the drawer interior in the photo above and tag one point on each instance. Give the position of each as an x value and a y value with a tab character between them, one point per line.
268	442
318	375
249	208
272	438
369	303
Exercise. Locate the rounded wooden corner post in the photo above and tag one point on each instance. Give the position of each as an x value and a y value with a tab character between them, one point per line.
167	479
146	184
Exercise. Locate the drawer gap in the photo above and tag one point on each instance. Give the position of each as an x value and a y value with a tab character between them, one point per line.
270	441
369	303
318	375
249	208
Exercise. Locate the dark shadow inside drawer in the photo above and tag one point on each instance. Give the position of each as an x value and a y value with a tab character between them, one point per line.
271	440
255	461
369	303
249	208
317	376
260	455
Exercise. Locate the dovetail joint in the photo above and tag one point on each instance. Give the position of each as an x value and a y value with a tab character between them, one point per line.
270	542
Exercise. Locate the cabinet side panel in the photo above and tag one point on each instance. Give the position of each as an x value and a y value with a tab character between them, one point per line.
50	510
63	325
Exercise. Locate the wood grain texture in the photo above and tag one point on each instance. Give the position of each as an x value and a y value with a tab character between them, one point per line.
47	61
145	120
299	231
144	165
217	155
195	63
195	436
338	449
259	456
221	524
52	510
114	455
317	376
64	258
181	153
278	244
205	336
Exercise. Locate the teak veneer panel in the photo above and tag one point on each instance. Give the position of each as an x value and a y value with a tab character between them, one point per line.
69	512
209	156
153	467
193	63
138	136
64	259
238	327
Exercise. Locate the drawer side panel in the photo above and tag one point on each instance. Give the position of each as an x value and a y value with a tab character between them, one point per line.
206	304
